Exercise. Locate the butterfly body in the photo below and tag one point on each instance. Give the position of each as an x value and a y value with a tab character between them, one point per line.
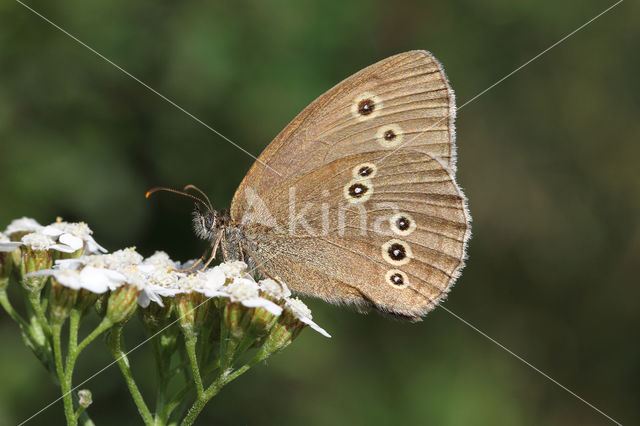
355	201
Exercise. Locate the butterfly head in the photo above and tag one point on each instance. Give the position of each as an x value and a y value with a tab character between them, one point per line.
207	221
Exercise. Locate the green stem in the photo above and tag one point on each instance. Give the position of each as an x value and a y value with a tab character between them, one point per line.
65	385
213	390
73	352
85	420
190	340
115	345
72	355
200	402
35	324
104	325
34	301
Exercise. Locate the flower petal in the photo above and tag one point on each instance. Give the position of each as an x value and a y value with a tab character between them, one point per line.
315	326
63	248
52	231
259	302
9	245
72	241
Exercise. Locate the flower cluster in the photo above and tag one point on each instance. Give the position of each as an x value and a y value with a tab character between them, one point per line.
225	319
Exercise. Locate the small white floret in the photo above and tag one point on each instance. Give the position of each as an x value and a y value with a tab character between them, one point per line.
303	313
24	224
37	241
274	288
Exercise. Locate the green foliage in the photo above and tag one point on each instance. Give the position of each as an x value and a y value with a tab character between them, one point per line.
548	160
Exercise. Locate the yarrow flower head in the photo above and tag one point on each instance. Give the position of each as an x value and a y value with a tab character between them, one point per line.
40	245
228	319
24	224
73	235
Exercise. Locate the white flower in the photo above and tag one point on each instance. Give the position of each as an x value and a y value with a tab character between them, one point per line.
37	241
123	258
24	224
7	245
303	313
206	282
74	235
242	289
162	282
154	276
274	288
245	291
233	269
96	280
214	278
161	259
148	295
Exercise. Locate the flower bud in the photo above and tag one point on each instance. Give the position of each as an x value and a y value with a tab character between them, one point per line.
85	300
192	310
61	301
33	260
294	318
122	303
85	398
155	316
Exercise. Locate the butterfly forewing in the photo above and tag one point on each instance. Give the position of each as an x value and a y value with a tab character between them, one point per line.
402	101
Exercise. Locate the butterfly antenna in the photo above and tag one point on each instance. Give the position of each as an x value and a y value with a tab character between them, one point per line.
201	192
175	191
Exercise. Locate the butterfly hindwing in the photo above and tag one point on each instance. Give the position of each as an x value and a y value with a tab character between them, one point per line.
398	244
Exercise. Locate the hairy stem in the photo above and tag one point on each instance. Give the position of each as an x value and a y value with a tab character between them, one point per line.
190	341
36	305
65	383
115	345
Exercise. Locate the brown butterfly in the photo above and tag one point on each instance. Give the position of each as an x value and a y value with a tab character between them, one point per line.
355	201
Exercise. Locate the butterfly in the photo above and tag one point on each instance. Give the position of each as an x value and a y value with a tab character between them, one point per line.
355	201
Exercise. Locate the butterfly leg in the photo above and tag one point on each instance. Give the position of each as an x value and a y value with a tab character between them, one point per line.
212	245
199	261
215	249
240	252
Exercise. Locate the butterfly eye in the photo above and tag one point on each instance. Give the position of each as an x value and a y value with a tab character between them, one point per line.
389	136
396	252
358	191
366	106
402	224
364	170
397	278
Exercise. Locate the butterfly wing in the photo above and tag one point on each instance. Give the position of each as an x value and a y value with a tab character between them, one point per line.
367	229
402	101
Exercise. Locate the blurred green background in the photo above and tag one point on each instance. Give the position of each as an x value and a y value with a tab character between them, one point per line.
548	159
